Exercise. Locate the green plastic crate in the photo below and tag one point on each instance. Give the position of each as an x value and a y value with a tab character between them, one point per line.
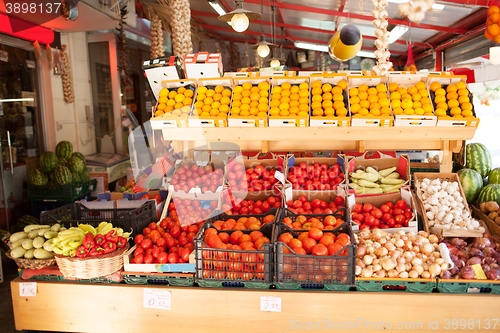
166	279
391	285
60	278
233	284
311	286
67	193
468	286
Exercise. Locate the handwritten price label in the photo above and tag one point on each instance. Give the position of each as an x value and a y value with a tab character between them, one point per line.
272	304
27	289
279	176
157	299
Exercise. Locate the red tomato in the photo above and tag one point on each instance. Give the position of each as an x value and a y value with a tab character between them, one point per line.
162	258
334	248
385	209
224	237
368	207
158	198
358	208
369	220
408	215
389	204
391	222
146	196
162	242
156	252
397	211
339	201
386	217
138	239
184	255
308	244
139	259
398	226
327	239
148	259
299	250
401	204
315	234
146	231
360	218
377	213
146	244
173	258
319	250
138	251
175	231
400	219
285	237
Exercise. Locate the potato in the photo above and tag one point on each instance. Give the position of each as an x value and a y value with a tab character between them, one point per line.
497	220
491	206
482	207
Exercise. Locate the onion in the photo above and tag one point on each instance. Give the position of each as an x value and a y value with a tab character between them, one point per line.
474	261
481	243
426	275
380	274
454	271
381	252
377	267
418	268
408	266
486	268
460	263
493	274
439	261
400	243
382	240
426	248
401	260
370	249
416	261
403	275
453	250
366	272
446	275
467	273
496	256
376	245
488	261
489	251
453	258
376	234
368	259
413	274
358	270
392	273
494	266
388	264
435	270
444	266
458	242
360	253
433	239
390	246
424	234
475	252
376	261
408	256
436	254
401	267
416	249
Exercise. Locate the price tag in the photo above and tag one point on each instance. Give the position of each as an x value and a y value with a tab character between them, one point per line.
478	272
30	64
27	289
157	299
272	304
279	176
288	193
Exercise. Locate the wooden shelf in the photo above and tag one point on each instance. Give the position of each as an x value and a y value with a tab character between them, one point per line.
71	307
446	139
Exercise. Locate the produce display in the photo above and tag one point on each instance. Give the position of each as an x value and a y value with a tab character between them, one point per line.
328	100
372	181
188	211
369	101
453	100
389	215
175	102
404	255
473	256
290	100
243	223
250	100
34	242
328	222
315	176
212	102
87	241
232	205
413	100
315	242
492	210
315	206
258	178
189	177
444	205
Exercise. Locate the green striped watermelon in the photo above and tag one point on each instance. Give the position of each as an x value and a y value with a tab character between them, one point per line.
85	176
64	149
472	183
494	176
26	220
48	161
478	157
52	183
75	165
490	192
80	156
63	161
38	177
63	175
76	177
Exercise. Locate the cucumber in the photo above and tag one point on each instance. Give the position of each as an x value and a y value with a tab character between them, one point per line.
17	243
373	171
29	254
48	246
392	181
42	231
43	254
18	252
55	227
50	234
38	242
365	183
17	236
33	234
364	175
368	190
393	175
27	244
387	172
32	227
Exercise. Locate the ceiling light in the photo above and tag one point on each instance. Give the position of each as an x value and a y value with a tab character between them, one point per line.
275	63
437	6
397	32
239	17
365	54
217	8
311	46
263	47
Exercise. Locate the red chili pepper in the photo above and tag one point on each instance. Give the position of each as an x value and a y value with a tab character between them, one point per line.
88	241
109	246
82	252
99	240
121	242
112	236
96	251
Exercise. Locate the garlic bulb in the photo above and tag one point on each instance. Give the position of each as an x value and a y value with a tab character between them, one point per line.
181	28
66	77
382	43
416	9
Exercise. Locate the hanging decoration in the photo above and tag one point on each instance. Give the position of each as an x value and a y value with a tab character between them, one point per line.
58	64
156	37
38	52
122	46
323	61
410	63
492	31
415	10
50	57
345	43
69	9
66	77
181	28
382	42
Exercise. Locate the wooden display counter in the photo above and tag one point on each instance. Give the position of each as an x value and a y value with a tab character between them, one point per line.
446	139
120	308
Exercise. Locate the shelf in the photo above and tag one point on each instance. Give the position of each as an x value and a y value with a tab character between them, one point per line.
71	307
446	139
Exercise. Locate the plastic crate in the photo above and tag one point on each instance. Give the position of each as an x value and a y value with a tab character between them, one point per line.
292	271
338	214
468	286
233	268
125	218
60	278
64	193
37	207
220	215
173	279
386	284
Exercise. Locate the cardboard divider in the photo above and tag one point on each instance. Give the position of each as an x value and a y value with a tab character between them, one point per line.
290	120
210	121
249	121
156	70
203	64
331	121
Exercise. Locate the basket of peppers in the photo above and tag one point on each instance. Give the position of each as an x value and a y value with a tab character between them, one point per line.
85	252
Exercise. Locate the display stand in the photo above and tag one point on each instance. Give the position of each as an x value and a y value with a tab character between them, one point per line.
72	307
446	139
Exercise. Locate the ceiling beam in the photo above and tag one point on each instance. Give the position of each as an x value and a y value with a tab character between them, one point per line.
281	16
341	9
356	16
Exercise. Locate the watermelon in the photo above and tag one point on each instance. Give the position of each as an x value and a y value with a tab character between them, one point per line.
64	149
52	183
80	156
63	175
38	177
472	183
490	192
62	161
76	177
75	165
494	176
478	157
26	220
48	161
85	176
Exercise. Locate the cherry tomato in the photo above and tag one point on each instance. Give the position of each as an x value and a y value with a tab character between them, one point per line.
148	259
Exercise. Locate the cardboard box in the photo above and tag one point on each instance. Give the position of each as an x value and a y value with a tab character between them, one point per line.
255	196
155	268
161	69
405	81
328	196
203	65
250	121
378	200
210	121
331	121
446	79
291	120
273	74
355	81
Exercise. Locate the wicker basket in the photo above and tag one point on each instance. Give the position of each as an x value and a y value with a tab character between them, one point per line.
32	263
91	267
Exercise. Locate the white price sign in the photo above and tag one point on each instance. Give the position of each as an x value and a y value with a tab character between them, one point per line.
27	289
272	304
279	176
157	299
288	194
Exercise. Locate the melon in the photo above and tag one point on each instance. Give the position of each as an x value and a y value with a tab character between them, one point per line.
472	183
75	165
494	176
64	149
38	177
490	192
478	157
80	156
63	175
48	161
26	220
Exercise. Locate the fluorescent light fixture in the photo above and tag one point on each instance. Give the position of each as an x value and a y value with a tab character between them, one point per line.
311	46
438	6
397	32
17	100
217	8
398	1
366	54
